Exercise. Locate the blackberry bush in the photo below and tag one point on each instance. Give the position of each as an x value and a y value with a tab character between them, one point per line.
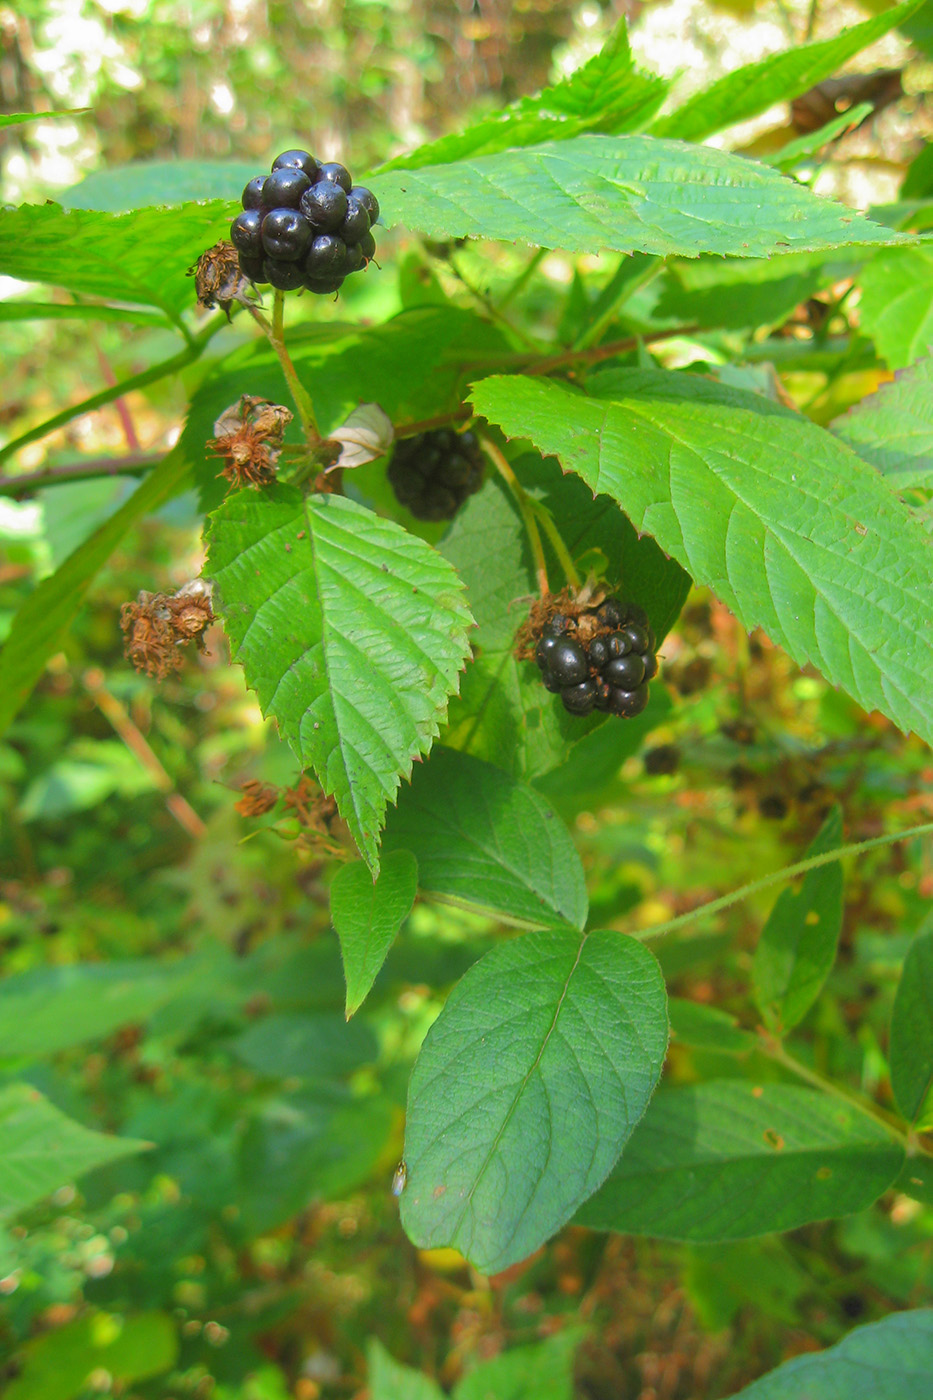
434	473
305	225
601	659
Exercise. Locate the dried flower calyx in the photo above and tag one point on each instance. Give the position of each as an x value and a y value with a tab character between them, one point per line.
249	437
158	624
257	798
218	280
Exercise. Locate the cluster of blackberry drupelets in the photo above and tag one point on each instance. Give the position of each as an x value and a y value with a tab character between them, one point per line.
305	225
434	473
601	660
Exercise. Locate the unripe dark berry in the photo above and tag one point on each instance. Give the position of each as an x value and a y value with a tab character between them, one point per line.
283	188
568	663
368	200
252	193
324	205
368	247
286	276
285	234
626	672
633	613
544	650
610	613
246	233
619	644
651	665
603	695
338	175
327	257
252	268
301	160
599	652
557	625
629	703
355	222
579	699
354	257
550	683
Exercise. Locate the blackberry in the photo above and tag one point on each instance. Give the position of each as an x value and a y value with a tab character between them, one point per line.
599	658
306	225
434	473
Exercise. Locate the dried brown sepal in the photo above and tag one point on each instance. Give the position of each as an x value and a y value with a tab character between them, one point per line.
258	798
249	438
543	609
158	624
218	280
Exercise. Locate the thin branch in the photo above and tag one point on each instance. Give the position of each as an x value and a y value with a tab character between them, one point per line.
133	464
275	334
525	506
771	1047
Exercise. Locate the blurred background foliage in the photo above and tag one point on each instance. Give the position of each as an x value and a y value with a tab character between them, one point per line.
252	1254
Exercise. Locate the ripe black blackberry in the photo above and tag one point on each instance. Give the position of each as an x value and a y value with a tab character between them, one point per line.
434	473
304	225
599	658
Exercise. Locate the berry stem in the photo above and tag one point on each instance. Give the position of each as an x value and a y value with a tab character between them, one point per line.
525	506
523	278
557	543
275	334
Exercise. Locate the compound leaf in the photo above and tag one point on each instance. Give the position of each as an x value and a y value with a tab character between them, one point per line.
727	1159
797	947
351	632
888	1360
43	1149
526	1090
911	1048
630	193
893	428
791	529
367	915
481	838
777	78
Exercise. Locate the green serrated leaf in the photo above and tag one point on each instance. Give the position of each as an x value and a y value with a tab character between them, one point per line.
141	257
797	947
17	118
41	625
607	94
528	1086
542	1371
367	915
52	311
918	182
351	632
795	152
483	839
305	1045
503	713
630	193
43	1149
390	1380
51	1008
911	1047
781	520
887	1360
727	1159
893	428
896	306
780	77
707	1028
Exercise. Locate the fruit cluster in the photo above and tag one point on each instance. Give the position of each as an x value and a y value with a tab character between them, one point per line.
305	225
601	659
433	474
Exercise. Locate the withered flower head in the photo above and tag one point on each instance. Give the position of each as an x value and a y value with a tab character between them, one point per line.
218	280
257	798
249	438
157	624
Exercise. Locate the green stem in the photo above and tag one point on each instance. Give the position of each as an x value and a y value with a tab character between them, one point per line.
557	542
789	872
773	1049
523	278
93	469
275	334
490	307
177	362
525	504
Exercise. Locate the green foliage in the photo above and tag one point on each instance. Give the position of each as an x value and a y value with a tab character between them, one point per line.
728	1159
367	914
893	428
897	304
44	1150
890	1359
63	1364
797	948
912	1031
516	1112
766	508
374	634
